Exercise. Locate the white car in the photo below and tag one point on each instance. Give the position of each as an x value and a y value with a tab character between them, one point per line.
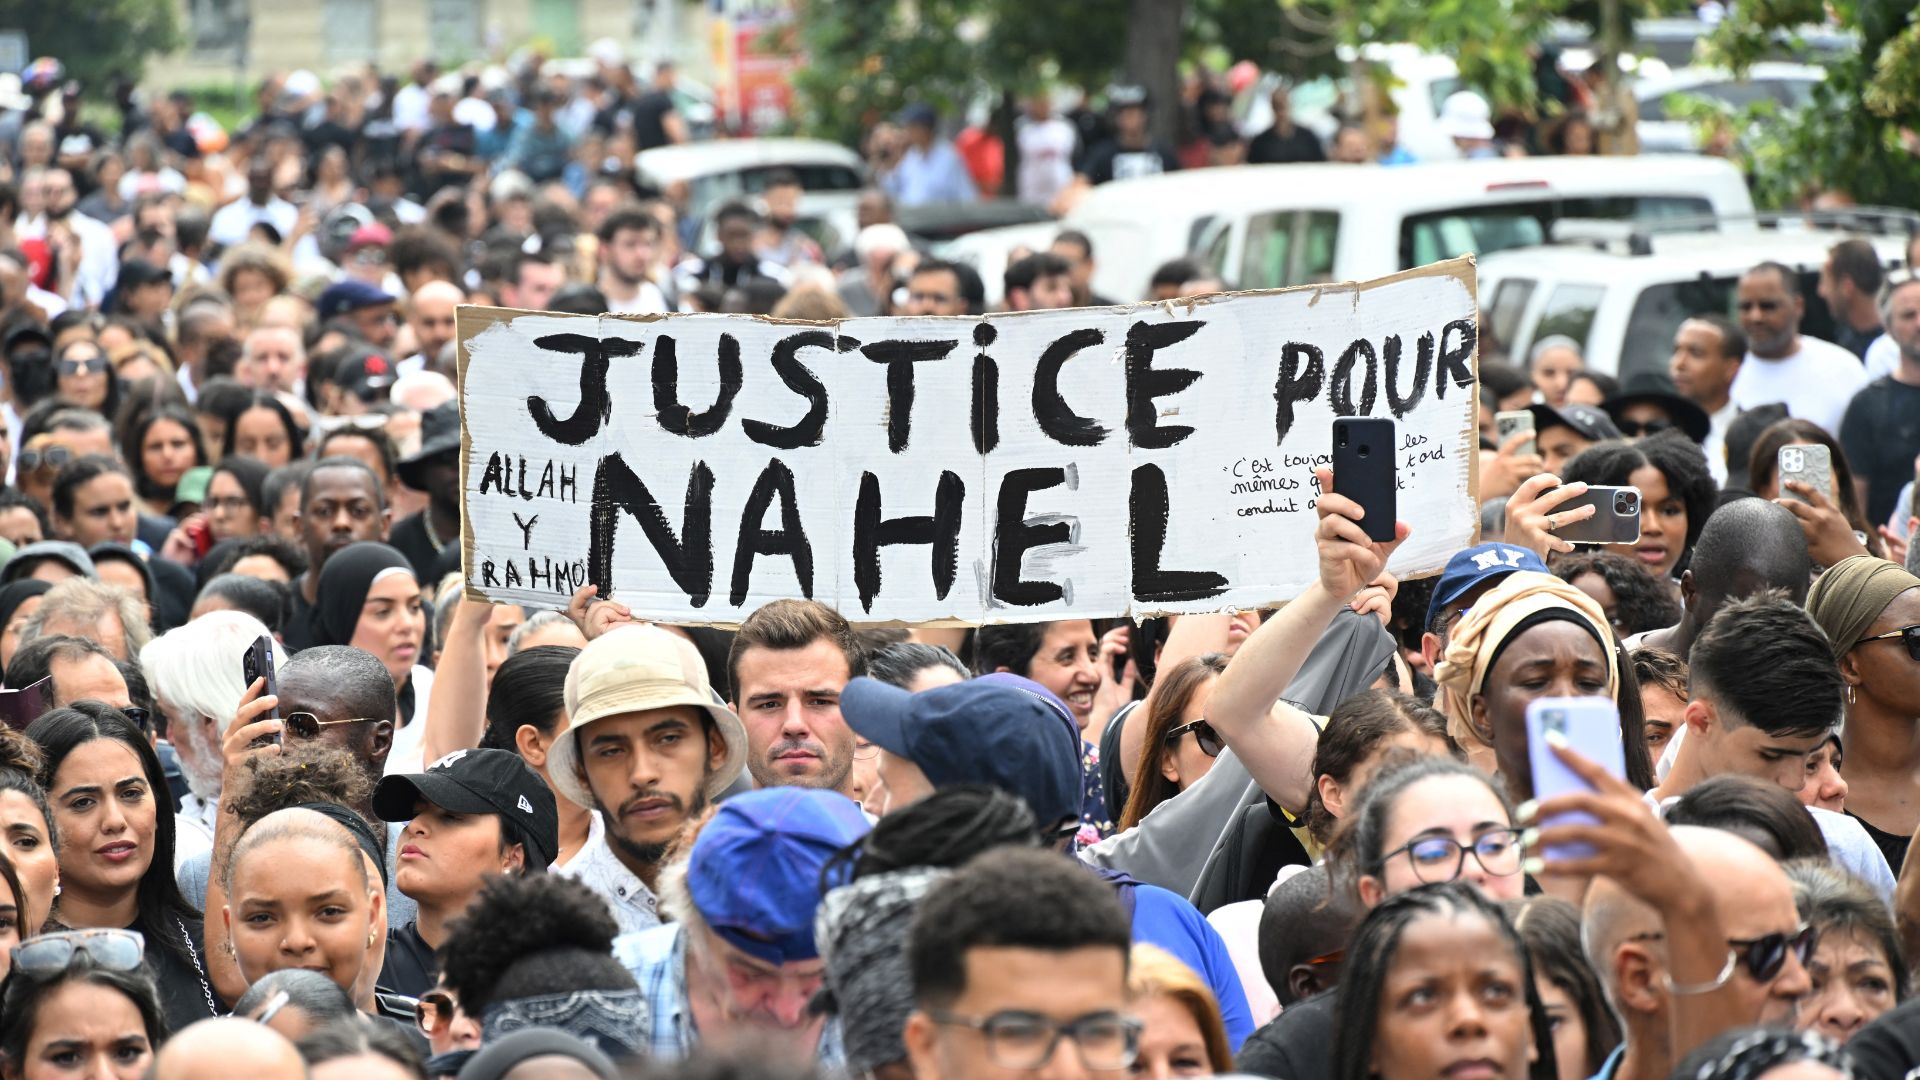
736	168
1790	86
1624	306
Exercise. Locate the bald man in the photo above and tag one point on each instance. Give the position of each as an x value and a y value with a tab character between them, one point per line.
274	359
1626	942
430	315
229	1049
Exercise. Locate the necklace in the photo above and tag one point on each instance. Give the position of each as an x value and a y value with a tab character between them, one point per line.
433	534
198	969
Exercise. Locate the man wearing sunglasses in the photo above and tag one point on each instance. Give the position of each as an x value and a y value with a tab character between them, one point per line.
1767	949
80	669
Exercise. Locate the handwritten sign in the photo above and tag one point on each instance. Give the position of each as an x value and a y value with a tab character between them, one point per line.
1080	463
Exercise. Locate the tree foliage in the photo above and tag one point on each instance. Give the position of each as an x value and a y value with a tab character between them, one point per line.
99	41
1857	135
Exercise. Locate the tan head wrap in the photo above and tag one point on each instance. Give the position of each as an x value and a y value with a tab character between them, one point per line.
1477	637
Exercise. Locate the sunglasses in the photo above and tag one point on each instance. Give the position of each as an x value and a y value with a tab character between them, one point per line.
53	954
305	725
1763	957
1203	733
51	458
1908	634
96	366
433	1012
1634	429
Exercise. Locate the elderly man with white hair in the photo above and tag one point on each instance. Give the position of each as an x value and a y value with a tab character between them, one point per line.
196	677
867	289
274	359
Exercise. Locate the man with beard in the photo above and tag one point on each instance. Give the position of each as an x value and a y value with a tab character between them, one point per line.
788	664
341	503
628	240
647	747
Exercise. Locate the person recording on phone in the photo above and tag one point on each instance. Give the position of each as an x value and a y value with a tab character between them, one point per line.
1765	695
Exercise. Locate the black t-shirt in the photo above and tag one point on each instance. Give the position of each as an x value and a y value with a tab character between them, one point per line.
1881	435
650	119
410	968
410	538
1893	846
1111	161
1271	148
1296	1045
1888	1048
299	633
449	138
183	991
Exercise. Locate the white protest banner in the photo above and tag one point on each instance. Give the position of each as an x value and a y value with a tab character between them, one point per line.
1083	463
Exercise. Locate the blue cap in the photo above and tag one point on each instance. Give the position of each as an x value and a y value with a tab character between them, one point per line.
754	874
990	730
1469	569
350	294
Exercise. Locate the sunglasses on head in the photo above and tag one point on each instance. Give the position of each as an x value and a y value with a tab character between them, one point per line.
305	725
52	954
1203	733
51	458
1908	634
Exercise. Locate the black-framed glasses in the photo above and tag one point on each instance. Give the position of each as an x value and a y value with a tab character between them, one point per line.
305	725
140	717
1764	956
1107	1041
51	954
1203	733
1438	859
1634	429
51	458
1909	634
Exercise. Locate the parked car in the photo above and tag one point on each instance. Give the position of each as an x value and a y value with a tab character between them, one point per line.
734	168
1790	86
1623	301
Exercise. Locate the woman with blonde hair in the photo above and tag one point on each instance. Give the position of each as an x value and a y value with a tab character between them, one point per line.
251	275
1181	1033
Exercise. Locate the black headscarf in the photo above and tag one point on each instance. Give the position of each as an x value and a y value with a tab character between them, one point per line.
344	583
17	593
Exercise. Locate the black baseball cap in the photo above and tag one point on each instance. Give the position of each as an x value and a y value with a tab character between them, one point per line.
480	782
1592	424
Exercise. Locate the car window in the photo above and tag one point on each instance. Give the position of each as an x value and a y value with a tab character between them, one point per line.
1318	245
1726	93
812	177
1263	263
1570	310
1215	256
1484	229
1509	303
1657	314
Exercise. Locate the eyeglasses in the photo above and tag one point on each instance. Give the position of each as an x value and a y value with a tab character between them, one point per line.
866	751
95	366
140	717
1203	733
1438	859
1634	429
305	725
232	504
1910	634
434	1012
51	458
1763	957
52	954
272	1009
1108	1042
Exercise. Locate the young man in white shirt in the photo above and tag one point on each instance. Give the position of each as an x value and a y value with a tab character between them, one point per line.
1708	351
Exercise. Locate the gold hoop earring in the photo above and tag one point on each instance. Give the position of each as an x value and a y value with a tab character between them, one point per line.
1849	694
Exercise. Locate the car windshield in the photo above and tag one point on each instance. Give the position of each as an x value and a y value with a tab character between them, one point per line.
1483	229
1660	309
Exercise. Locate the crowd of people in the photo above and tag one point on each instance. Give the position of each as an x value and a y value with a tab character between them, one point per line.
427	836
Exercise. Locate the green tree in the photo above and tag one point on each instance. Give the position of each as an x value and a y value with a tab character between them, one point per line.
1857	135
99	41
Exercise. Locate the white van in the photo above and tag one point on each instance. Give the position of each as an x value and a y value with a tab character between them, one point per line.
1268	226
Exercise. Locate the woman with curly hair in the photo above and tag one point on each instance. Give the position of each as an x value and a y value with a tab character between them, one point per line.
1677	493
1633	598
252	274
538	952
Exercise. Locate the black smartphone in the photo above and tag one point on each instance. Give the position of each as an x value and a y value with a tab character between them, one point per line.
257	663
1363	470
1615	520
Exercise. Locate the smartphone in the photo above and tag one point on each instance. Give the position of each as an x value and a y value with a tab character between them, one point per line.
1363	470
23	706
201	534
1505	424
1591	726
1811	465
257	663
1615	520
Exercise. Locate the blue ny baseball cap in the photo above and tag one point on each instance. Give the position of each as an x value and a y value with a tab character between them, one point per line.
989	730
754	873
1469	569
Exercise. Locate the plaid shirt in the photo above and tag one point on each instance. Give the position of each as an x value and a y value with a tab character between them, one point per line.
658	960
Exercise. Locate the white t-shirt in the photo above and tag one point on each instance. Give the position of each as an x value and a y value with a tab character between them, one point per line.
1046	159
647	300
1883	357
1815	383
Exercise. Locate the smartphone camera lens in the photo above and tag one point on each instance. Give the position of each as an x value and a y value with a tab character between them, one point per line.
1626	503
1343	436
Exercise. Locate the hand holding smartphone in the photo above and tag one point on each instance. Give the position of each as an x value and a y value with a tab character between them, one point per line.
1591	727
1810	465
1507	424
1615	520
257	663
1363	470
